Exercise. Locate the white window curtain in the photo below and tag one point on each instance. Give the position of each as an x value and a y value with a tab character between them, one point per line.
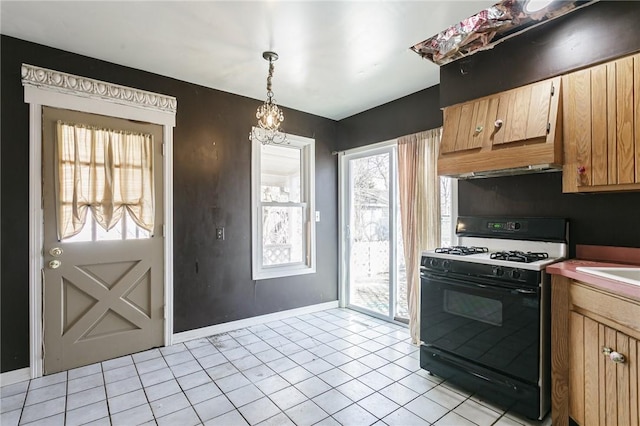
105	171
419	188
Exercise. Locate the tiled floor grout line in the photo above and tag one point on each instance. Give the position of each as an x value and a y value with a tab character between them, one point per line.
355	402
298	342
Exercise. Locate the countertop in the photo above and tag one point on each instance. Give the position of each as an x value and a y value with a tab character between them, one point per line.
598	256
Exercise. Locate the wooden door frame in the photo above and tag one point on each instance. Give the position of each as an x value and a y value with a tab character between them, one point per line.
44	87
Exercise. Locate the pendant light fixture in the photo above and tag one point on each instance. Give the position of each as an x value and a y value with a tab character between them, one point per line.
269	115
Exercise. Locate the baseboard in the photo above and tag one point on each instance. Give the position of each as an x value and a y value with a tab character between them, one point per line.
248	322
15	376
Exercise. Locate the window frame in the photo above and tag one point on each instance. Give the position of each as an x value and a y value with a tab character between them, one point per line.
307	197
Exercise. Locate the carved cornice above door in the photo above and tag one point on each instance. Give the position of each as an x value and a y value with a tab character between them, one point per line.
81	86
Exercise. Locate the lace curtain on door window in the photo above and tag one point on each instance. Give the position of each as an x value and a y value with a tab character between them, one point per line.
105	171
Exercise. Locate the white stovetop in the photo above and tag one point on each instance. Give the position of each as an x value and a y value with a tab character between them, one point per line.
556	252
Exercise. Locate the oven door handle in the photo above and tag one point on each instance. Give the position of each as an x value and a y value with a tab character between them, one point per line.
469	283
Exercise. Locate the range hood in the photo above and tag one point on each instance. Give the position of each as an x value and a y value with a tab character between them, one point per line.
540	168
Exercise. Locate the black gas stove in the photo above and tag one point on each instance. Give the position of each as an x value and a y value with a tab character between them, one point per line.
485	309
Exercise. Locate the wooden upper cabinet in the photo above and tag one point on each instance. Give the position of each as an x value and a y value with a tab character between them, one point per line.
524	113
512	129
602	127
468	126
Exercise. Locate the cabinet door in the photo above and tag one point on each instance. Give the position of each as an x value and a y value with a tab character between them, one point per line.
601	391
483	122
524	113
602	127
624	121
636	109
451	120
469	125
577	129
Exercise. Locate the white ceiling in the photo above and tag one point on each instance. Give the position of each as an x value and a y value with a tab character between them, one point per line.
337	58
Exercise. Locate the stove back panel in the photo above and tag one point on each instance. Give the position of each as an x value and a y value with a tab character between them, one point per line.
513	228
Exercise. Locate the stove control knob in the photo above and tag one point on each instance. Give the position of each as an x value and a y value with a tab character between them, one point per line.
515	274
446	264
434	262
498	271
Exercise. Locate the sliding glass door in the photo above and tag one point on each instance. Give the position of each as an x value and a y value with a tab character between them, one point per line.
373	262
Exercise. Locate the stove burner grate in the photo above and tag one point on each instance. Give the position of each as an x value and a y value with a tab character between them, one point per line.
519	256
462	250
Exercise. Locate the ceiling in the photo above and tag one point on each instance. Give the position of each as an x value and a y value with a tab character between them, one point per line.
337	58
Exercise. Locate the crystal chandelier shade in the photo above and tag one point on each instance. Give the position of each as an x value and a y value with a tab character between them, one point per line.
269	115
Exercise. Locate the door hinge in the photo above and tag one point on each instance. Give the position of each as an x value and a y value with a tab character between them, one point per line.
553	90
162	145
164	230
548	127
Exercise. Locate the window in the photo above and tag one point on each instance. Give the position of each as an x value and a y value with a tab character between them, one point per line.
107	174
448	211
283	208
125	229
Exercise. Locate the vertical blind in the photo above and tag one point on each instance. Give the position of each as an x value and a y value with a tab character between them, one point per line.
105	171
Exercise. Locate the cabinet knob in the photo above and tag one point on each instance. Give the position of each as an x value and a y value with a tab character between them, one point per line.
581	176
479	129
614	356
497	124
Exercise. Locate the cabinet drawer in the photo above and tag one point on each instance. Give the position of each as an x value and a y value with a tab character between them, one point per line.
612	310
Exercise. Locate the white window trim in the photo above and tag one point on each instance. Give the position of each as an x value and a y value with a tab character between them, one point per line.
307	148
45	87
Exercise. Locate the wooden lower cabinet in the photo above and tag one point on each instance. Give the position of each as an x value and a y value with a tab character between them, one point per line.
588	385
601	391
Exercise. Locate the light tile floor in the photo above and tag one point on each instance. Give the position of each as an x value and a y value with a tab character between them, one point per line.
328	368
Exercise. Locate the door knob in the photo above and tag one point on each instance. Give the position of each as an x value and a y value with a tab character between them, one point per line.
55	251
54	264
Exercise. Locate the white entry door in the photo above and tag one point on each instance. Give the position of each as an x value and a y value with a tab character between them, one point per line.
103	291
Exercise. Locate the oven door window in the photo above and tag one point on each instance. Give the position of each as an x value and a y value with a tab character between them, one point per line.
478	308
486	324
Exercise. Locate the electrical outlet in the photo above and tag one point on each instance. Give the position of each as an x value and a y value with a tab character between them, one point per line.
219	233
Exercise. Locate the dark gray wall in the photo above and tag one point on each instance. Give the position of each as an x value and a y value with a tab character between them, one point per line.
212	157
410	114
